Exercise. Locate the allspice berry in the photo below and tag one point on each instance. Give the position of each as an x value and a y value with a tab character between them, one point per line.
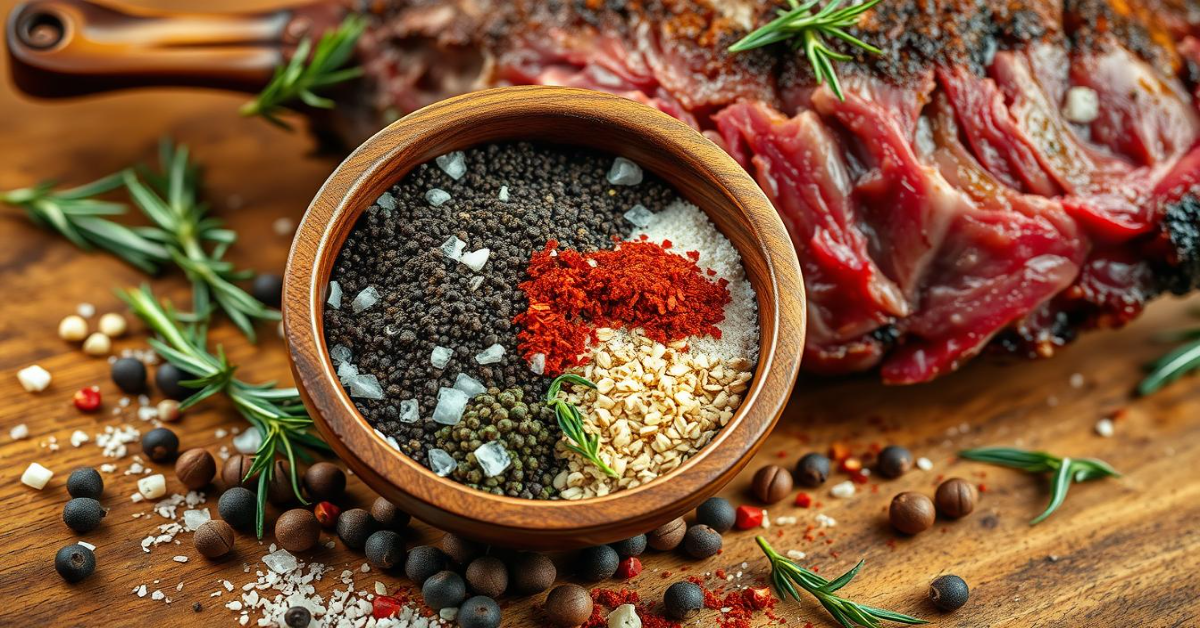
234	471
668	536
388	516
459	549
956	498
532	573
279	489
772	483
214	538
325	481
568	605
911	513
297	530
195	468
488	576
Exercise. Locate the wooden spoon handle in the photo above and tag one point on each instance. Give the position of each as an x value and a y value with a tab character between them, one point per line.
70	47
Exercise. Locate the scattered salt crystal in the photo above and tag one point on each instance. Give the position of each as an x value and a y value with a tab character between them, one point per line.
36	476
365	299
453	248
108	467
79	437
249	441
347	372
283	226
437	197
453	164
491	355
492	458
86	310
152	487
825	521
451	403
441	462
34	378
366	387
180	559
449	613
335	295
1081	105
86	544
843	489
280	561
503	195
624	616
387	201
19	432
639	216
469	385
194	518
475	260
340	354
408	411
537	363
796	555
1077	380
924	464
475	282
380	588
157	595
624	172
1104	427
440	357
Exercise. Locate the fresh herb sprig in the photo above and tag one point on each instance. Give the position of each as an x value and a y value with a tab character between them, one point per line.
787	575
570	421
301	78
277	413
806	28
1064	470
1172	365
195	241
78	216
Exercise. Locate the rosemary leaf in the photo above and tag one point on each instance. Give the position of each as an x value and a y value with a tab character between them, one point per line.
1170	367
1065	470
570	421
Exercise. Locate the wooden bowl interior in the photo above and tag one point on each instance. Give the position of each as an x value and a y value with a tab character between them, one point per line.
698	170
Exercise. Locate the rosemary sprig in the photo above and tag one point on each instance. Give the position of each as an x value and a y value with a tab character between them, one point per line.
79	217
184	229
807	30
787	575
278	413
570	421
1064	470
301	78
1173	365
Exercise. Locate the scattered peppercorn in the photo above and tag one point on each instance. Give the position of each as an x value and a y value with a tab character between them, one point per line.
668	536
424	561
388	516
488	576
748	517
354	527
160	444
238	507
197	607
195	468
83	514
168	377
911	513
629	568
532	573
327	514
444	589
74	562
459	549
279	489
297	530
812	470
894	461
129	374
297	617
325	481
568	605
384	549
233	472
682	599
479	612
85	482
771	484
268	288
956	498
717	513
632	546
949	593
87	399
701	541
597	563
214	538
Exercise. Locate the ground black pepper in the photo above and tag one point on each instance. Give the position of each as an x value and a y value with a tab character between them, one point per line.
427	300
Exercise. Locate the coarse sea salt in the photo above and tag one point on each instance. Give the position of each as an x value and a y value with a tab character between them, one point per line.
409	409
441	463
476	260
453	248
20	431
386	201
537	363
451	402
280	561
437	197
339	354
503	195
624	172
194	518
492	458
249	441
453	164
335	295
469	385
491	355
366	387
440	357
639	216
33	378
365	299
36	476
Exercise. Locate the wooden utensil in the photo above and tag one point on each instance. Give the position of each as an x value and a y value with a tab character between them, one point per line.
698	169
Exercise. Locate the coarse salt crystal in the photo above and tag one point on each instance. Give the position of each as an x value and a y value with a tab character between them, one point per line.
491	355
477	259
280	561
451	402
624	616
475	282
1104	427
346	372
503	195
339	354
441	463
180	559
453	164
639	216
437	197
440	357
409	409
19	432
366	387
469	385
796	555
624	172
386	201
34	378
453	248
537	363
79	437
36	476
1081	105
86	310
152	487
365	299
924	464
335	295
194	518
492	458
843	490
249	441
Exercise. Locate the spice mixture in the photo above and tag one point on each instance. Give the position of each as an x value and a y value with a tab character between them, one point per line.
466	288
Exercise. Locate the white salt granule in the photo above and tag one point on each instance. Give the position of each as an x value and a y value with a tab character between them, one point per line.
1081	105
453	164
33	378
387	202
639	216
453	248
441	463
475	260
249	441
366	387
451	402
503	195
36	476
492	458
843	490
537	363
19	432
339	354
924	464
624	172
408	411
346	372
491	355
365	299
440	357
1104	427
437	197
469	385
335	295
152	487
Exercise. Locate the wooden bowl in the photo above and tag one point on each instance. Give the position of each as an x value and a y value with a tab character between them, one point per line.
700	172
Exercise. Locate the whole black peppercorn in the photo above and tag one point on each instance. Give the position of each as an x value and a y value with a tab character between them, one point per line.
444	589
894	461
424	561
682	599
385	549
74	562
532	573
632	546
129	374
388	516
597	563
197	607
488	576
160	444
83	514
268	289
297	617
238	507
949	593
354	527
167	377
85	482
717	513
325	481
812	470
459	549
701	541
479	612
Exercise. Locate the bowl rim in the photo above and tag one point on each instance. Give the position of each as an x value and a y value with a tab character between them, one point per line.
385	468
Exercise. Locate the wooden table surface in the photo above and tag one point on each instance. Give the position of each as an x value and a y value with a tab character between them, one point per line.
1122	552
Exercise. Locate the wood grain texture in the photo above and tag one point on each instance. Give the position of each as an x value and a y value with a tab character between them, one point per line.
1119	553
682	157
